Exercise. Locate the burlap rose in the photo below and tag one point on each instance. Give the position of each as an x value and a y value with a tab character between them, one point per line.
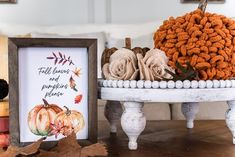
152	66
122	66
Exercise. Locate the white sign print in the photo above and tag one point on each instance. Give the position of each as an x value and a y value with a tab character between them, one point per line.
53	87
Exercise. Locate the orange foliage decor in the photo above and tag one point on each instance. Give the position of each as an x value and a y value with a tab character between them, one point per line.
205	40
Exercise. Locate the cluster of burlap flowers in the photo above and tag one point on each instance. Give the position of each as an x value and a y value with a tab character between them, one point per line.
124	64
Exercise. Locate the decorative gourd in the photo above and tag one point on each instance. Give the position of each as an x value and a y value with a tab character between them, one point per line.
4	88
205	40
72	121
41	117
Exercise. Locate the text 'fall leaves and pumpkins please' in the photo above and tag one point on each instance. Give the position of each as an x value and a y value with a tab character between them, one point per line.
61	84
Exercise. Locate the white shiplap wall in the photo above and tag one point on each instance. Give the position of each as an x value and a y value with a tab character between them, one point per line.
63	12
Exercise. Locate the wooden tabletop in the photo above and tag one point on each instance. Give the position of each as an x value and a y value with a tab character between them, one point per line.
172	139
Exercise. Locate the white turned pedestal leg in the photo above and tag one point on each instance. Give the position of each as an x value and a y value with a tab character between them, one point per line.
133	122
230	118
113	112
189	111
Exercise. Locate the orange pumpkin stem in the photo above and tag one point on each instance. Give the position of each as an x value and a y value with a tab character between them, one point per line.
68	112
46	104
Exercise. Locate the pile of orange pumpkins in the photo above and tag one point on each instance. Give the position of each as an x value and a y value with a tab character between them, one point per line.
43	116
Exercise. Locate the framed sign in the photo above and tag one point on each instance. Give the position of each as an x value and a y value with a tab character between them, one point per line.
53	89
7	1
197	1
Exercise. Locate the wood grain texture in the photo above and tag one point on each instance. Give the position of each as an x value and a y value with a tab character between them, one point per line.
14	45
13	93
172	139
92	93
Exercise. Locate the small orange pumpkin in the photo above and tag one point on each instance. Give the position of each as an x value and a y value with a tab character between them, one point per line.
72	120
41	117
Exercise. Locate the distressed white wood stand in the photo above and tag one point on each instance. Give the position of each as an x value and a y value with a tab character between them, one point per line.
133	120
189	111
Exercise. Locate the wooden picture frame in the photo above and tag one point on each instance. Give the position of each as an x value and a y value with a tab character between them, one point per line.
7	1
197	1
15	44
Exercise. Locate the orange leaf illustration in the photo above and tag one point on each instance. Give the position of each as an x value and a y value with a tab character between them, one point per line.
77	72
78	99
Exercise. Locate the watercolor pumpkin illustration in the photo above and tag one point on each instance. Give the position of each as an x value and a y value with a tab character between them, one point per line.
73	121
41	117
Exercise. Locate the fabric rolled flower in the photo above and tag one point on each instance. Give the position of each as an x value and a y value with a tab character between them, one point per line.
152	66
122	66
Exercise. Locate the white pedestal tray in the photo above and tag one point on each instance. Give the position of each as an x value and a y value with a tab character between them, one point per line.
133	94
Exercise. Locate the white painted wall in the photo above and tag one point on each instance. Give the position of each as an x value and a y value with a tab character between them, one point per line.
62	12
136	11
45	12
